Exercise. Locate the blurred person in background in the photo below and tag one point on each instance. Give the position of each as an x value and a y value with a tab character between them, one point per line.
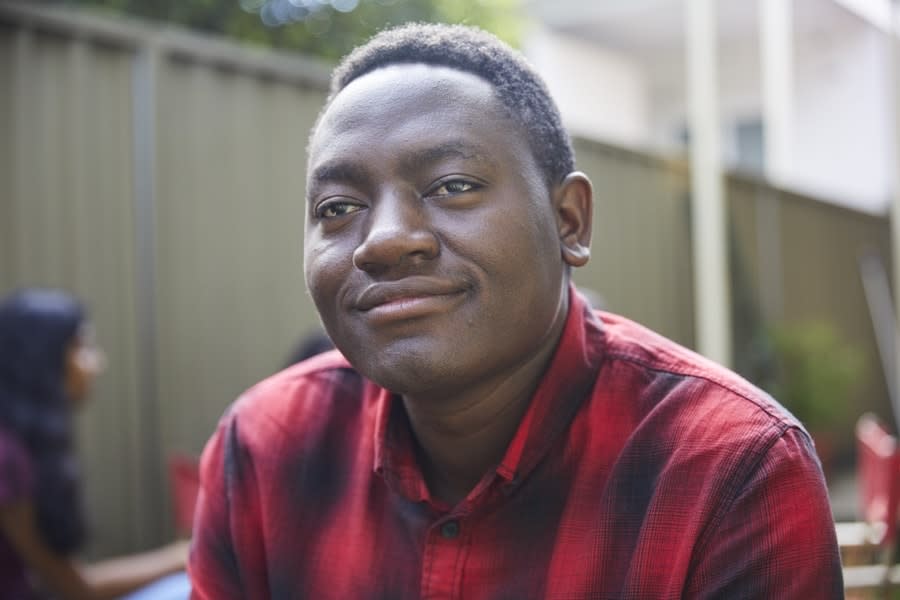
48	359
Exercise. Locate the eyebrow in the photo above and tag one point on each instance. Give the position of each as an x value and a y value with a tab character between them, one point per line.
339	172
426	157
354	173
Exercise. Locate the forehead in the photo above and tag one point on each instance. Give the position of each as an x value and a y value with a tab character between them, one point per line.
410	107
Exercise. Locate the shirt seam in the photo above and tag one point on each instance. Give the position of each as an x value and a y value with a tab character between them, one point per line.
462	560
626	357
744	475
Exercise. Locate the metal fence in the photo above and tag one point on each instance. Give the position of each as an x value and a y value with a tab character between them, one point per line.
160	175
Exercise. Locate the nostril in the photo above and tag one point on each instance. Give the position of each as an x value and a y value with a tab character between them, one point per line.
363	263
397	231
394	247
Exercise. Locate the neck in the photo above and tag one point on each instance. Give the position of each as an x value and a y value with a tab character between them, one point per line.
456	450
462	438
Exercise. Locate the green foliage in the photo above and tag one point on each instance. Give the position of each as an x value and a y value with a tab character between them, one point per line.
321	31
816	373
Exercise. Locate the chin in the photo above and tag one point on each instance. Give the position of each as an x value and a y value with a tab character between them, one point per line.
407	376
405	370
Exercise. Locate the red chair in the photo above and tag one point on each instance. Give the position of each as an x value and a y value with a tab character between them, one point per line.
878	464
184	482
878	479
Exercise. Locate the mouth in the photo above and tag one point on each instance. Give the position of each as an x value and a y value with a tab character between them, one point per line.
408	298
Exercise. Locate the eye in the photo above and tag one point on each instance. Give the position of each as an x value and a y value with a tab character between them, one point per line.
331	209
452	187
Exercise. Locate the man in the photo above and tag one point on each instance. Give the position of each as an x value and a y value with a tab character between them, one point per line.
487	435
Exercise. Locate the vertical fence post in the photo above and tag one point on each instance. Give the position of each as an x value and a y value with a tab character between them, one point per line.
150	463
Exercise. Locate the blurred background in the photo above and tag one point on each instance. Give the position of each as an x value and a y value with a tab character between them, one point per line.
152	160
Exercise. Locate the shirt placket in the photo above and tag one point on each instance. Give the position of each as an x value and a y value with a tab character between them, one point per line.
444	556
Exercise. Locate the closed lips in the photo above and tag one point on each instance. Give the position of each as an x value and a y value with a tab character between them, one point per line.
379	294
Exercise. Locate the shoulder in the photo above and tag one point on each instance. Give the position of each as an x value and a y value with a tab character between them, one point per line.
663	370
300	402
305	385
16	473
691	428
688	409
297	431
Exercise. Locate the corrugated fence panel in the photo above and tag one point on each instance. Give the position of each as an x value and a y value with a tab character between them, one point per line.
7	153
641	254
797	259
821	248
231	198
66	210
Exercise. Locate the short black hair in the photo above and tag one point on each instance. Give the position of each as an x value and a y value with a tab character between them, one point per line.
517	86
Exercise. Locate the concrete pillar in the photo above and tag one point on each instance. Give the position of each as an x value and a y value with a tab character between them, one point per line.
712	304
894	76
776	60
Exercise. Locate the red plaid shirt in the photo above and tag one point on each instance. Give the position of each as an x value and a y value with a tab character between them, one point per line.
640	470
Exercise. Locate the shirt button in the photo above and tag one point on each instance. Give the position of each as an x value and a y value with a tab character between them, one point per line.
450	529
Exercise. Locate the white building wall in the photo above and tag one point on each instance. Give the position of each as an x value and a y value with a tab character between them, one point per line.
842	134
600	93
841	128
739	83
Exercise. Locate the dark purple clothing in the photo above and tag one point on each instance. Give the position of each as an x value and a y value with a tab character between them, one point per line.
16	483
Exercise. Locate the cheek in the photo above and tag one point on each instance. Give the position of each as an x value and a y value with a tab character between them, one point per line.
512	243
325	270
319	261
76	381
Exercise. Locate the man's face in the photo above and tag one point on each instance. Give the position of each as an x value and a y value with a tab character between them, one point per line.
432	251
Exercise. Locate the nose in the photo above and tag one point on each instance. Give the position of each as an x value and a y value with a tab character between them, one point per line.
398	234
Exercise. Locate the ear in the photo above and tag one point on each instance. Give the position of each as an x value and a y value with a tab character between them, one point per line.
573	203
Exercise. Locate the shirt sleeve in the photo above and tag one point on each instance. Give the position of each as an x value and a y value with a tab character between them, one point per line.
777	538
223	563
16	475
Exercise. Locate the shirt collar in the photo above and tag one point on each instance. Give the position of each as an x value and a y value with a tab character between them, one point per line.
395	457
568	380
